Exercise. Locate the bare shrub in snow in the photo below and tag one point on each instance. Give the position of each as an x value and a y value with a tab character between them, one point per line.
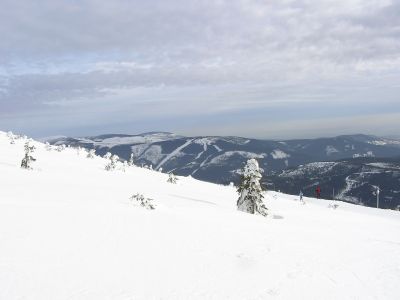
333	205
172	178
144	202
251	197
26	162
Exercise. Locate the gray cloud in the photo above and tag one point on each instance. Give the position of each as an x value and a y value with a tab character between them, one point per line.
108	59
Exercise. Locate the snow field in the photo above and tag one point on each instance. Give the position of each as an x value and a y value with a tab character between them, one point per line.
69	231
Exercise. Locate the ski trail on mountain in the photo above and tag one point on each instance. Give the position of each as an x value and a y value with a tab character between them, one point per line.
173	153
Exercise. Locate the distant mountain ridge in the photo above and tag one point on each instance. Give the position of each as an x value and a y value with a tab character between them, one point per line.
219	159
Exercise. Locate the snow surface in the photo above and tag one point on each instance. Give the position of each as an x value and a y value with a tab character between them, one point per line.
69	231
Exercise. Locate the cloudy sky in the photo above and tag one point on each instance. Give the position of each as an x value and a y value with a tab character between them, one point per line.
256	68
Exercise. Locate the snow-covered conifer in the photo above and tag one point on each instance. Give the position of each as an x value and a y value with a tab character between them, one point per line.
47	146
131	160
28	159
11	136
60	148
91	153
112	164
144	202
124	166
107	155
251	197
78	150
172	178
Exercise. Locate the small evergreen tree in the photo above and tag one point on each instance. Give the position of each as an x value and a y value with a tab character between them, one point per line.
60	148
11	136
112	164
28	159
172	178
47	146
78	150
131	160
124	166
107	155
251	197
91	153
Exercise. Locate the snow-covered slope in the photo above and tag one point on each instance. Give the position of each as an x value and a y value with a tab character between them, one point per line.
69	231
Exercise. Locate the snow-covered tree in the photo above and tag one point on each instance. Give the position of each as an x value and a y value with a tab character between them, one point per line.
91	153
60	148
124	166
144	202
251	197
172	178
131	160
78	150
107	155
47	146
112	164
26	162
11	136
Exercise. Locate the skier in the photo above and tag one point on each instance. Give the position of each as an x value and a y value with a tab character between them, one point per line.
301	196
318	192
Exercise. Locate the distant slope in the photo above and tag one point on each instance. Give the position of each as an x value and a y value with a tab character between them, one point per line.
353	180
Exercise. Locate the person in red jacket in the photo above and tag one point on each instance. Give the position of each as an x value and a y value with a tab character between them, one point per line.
318	192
